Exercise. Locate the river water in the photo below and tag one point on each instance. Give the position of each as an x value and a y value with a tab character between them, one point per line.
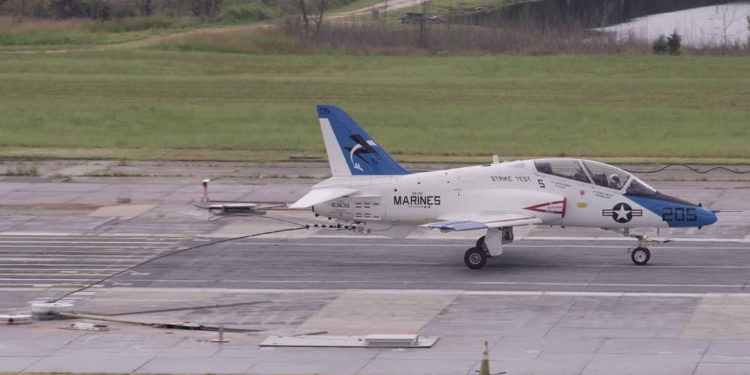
714	25
700	22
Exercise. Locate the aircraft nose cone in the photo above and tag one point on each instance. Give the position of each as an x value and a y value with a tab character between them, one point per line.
706	217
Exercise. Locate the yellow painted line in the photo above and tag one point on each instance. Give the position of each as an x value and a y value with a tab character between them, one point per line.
54	274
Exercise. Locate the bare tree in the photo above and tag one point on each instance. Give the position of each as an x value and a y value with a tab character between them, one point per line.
727	16
311	12
304	13
146	7
424	26
205	8
385	12
319	8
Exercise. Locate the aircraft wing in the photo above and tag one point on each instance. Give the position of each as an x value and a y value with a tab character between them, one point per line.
483	222
317	196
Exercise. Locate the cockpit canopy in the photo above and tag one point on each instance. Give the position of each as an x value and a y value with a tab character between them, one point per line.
593	172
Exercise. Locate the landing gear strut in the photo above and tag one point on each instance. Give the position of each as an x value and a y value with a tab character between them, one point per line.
480	242
489	245
640	254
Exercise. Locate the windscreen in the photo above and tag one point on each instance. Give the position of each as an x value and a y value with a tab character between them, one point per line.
567	168
606	175
638	187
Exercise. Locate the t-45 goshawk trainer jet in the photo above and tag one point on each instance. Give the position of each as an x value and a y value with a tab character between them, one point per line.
368	186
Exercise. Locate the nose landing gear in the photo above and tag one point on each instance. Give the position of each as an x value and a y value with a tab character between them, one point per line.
640	255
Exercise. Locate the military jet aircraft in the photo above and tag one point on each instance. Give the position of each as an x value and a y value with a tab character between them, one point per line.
368	186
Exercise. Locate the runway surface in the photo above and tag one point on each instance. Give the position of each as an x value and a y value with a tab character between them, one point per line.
43	262
558	301
357	262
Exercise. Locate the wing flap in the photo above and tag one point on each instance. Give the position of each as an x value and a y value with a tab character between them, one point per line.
317	196
479	222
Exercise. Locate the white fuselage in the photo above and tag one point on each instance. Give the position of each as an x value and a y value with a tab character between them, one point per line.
515	187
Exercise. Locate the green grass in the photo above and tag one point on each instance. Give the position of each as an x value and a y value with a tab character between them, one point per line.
258	42
357	4
445	8
418	107
77	32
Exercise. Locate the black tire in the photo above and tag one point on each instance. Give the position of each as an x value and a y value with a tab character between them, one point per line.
640	256
475	258
480	242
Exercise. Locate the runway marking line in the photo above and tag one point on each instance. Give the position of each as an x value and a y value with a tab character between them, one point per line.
36	287
53	274
66	270
87	242
161	237
82	247
53	279
436	237
61	264
151	290
64	255
298	244
478	283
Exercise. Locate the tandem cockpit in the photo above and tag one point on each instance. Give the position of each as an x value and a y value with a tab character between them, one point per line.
593	172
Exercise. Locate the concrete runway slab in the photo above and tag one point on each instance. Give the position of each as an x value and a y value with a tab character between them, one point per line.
527	333
560	301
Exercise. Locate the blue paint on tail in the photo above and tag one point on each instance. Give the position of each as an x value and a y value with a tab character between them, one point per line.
362	154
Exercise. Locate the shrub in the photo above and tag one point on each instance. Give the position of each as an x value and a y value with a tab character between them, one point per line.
141	23
660	46
674	42
23	171
246	13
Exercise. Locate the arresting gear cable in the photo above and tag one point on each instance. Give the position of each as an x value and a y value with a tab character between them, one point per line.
690	168
299	227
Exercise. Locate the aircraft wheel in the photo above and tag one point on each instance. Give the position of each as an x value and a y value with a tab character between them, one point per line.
475	258
480	242
640	255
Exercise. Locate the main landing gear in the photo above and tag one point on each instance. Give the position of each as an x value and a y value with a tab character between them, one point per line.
489	245
475	258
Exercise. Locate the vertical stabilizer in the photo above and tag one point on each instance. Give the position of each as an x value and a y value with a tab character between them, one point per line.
351	151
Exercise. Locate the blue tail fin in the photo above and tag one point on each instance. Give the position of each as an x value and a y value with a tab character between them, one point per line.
351	151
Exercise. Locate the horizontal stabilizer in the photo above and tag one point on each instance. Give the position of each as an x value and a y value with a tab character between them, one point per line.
483	222
317	196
